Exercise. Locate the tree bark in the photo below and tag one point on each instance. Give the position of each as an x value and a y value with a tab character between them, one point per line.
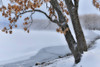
72	44
73	10
78	31
68	36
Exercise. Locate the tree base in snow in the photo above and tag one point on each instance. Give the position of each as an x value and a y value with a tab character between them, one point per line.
77	60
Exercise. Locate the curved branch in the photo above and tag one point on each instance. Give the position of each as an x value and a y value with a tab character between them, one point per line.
37	10
44	14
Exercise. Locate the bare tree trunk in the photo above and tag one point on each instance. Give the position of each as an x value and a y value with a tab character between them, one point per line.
68	36
72	45
73	10
78	31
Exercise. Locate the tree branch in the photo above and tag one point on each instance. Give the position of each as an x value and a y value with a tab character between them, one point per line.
37	10
57	7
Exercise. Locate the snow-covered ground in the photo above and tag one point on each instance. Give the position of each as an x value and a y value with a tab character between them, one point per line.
42	46
23	49
37	46
21	45
91	58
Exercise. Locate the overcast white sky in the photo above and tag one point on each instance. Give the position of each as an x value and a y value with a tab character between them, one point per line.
86	7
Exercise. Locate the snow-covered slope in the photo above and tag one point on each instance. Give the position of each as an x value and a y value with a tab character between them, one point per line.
21	45
89	59
41	46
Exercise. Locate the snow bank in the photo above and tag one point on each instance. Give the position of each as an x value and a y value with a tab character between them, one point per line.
21	45
64	62
90	58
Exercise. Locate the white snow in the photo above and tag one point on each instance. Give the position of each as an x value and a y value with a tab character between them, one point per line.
64	62
91	58
21	45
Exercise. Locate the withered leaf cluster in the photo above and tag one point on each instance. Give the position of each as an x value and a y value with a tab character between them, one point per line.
20	7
